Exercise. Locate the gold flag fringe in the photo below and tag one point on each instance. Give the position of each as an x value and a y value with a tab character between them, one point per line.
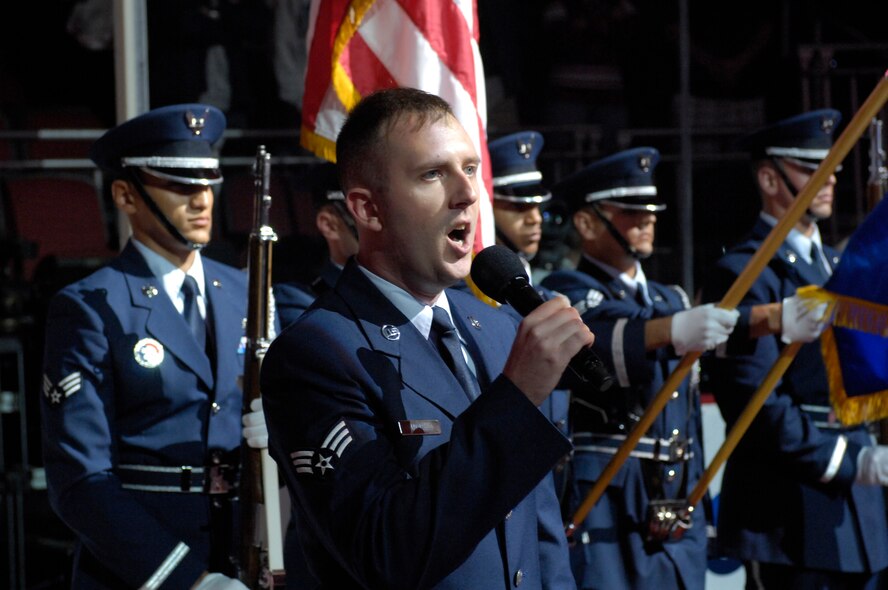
854	314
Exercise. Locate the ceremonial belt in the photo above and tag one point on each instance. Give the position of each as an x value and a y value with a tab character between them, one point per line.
666	450
218	478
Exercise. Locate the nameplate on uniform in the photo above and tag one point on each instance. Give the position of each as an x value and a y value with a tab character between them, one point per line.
419	427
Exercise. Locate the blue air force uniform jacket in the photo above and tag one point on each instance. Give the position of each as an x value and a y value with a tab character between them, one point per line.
788	494
611	551
128	394
399	481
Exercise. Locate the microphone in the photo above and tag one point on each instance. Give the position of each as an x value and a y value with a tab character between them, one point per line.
498	272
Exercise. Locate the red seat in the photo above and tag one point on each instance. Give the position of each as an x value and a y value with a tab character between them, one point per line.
63	216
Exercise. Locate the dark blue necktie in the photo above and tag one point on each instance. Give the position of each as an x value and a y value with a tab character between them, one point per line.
191	312
443	335
818	262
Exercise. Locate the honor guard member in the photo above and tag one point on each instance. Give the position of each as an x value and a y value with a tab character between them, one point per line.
337	227
403	413
141	406
796	504
518	194
642	328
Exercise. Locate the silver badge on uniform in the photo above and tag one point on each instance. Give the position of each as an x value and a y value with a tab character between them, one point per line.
592	300
149	291
475	323
148	352
390	332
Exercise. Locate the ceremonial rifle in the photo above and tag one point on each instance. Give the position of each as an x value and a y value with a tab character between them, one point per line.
260	555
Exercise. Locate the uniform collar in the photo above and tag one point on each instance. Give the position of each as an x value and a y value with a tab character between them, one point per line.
632	284
169	274
796	240
419	314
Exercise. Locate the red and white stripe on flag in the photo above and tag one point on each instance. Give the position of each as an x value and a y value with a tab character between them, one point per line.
358	46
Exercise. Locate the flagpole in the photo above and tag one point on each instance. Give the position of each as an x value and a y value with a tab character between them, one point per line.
739	288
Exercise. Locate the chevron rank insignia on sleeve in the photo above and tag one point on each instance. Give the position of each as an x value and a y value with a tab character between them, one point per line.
65	388
321	462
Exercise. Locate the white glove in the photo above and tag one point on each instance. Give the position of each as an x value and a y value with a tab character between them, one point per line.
801	323
702	328
217	581
255	431
872	466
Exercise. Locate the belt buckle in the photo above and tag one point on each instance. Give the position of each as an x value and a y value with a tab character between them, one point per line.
185	478
678	449
674	449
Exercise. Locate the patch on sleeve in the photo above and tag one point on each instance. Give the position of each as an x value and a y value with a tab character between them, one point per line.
322	462
65	388
592	300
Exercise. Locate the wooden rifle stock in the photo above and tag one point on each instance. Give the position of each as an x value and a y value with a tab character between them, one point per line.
260	558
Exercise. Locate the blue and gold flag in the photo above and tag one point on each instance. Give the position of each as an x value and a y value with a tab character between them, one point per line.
855	343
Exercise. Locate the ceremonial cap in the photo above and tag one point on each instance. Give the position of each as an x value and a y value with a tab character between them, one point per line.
624	179
513	166
173	142
324	184
803	139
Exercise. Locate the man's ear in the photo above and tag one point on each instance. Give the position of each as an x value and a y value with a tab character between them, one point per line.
327	223
124	196
586	224
364	208
767	179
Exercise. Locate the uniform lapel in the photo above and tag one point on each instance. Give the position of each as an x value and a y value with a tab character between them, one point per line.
227	325
472	331
163	322
387	331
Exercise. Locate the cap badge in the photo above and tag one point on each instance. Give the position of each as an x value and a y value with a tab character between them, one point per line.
644	162
196	123
525	148
148	352
827	124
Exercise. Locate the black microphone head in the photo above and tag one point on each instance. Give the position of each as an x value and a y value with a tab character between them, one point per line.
493	270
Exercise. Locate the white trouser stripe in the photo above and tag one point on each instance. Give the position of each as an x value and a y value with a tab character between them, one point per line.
166	568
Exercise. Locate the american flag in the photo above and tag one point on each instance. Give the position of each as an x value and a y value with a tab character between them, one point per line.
358	46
